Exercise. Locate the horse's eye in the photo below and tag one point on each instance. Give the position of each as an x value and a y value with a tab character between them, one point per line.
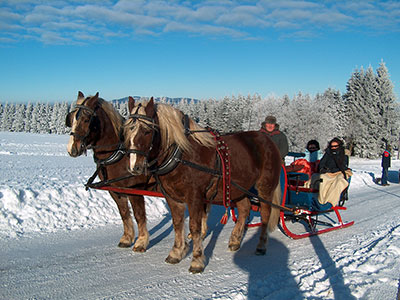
147	132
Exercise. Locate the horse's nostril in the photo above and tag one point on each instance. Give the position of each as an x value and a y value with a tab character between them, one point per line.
73	152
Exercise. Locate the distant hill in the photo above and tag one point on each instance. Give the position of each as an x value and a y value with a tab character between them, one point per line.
157	99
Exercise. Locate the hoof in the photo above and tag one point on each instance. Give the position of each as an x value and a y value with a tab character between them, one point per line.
172	260
139	249
234	247
261	251
196	270
124	245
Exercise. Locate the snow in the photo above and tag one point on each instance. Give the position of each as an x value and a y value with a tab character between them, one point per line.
59	241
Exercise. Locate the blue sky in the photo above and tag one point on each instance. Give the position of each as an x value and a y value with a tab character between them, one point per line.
49	50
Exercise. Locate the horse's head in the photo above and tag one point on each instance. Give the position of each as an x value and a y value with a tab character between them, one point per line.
141	135
84	124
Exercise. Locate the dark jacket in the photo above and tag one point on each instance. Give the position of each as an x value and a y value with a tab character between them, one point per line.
280	140
333	161
386	159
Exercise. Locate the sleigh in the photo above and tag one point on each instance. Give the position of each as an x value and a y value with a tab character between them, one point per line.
301	214
299	218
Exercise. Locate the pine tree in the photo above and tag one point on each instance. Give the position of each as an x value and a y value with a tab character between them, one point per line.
28	117
7	117
371	111
387	106
353	107
329	116
18	120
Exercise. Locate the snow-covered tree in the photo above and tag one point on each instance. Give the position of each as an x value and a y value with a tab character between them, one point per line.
7	117
371	111
28	117
329	116
389	117
18	120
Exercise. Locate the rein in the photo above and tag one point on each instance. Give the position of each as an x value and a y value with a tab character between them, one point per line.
219	174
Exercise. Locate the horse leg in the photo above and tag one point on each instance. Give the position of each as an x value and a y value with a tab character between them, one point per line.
139	211
129	232
204	218
243	208
196	217
180	248
265	210
269	217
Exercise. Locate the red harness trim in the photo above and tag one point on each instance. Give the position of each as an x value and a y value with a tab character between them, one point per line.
223	152
130	191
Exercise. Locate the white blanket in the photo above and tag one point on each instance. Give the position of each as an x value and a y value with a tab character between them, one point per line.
330	186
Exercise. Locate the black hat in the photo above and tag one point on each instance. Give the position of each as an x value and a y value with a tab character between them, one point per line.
270	120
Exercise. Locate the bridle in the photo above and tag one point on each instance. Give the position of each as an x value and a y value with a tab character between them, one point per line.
151	123
92	116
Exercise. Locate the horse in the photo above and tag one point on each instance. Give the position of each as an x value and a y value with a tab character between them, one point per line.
158	134
96	125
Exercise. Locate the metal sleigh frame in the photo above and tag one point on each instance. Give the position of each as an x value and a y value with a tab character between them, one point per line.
298	201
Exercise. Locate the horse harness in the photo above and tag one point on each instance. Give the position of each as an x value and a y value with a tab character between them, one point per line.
221	170
92	121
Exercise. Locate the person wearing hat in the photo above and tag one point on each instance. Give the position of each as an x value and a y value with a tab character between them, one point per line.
270	128
386	157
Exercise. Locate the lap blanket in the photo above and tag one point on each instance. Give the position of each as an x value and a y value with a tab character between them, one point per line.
330	186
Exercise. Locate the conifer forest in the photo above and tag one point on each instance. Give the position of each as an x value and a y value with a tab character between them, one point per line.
366	116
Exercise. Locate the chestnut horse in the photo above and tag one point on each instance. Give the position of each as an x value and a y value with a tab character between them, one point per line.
97	125
155	131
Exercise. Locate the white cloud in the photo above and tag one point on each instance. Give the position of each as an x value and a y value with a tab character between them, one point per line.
64	21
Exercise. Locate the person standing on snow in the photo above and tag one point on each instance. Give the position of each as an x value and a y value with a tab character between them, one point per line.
385	166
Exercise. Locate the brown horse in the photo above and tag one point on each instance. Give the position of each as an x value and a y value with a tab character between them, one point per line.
97	125
153	134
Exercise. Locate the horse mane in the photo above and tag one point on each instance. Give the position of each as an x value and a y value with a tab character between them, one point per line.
172	129
115	117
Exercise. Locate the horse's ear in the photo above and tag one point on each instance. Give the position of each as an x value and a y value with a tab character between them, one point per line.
93	100
131	104
80	95
150	111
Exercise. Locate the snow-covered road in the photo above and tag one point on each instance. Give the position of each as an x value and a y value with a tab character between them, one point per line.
60	241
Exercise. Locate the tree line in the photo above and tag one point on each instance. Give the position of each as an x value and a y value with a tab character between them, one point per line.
366	117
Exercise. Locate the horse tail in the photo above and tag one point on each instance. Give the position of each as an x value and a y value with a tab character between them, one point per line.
275	212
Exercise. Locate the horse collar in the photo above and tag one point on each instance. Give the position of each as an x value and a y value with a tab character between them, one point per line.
115	157
170	163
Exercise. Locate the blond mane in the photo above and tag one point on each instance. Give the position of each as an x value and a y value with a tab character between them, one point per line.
172	129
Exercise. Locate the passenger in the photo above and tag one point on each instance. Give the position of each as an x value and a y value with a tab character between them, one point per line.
333	177
309	164
270	127
334	159
313	152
